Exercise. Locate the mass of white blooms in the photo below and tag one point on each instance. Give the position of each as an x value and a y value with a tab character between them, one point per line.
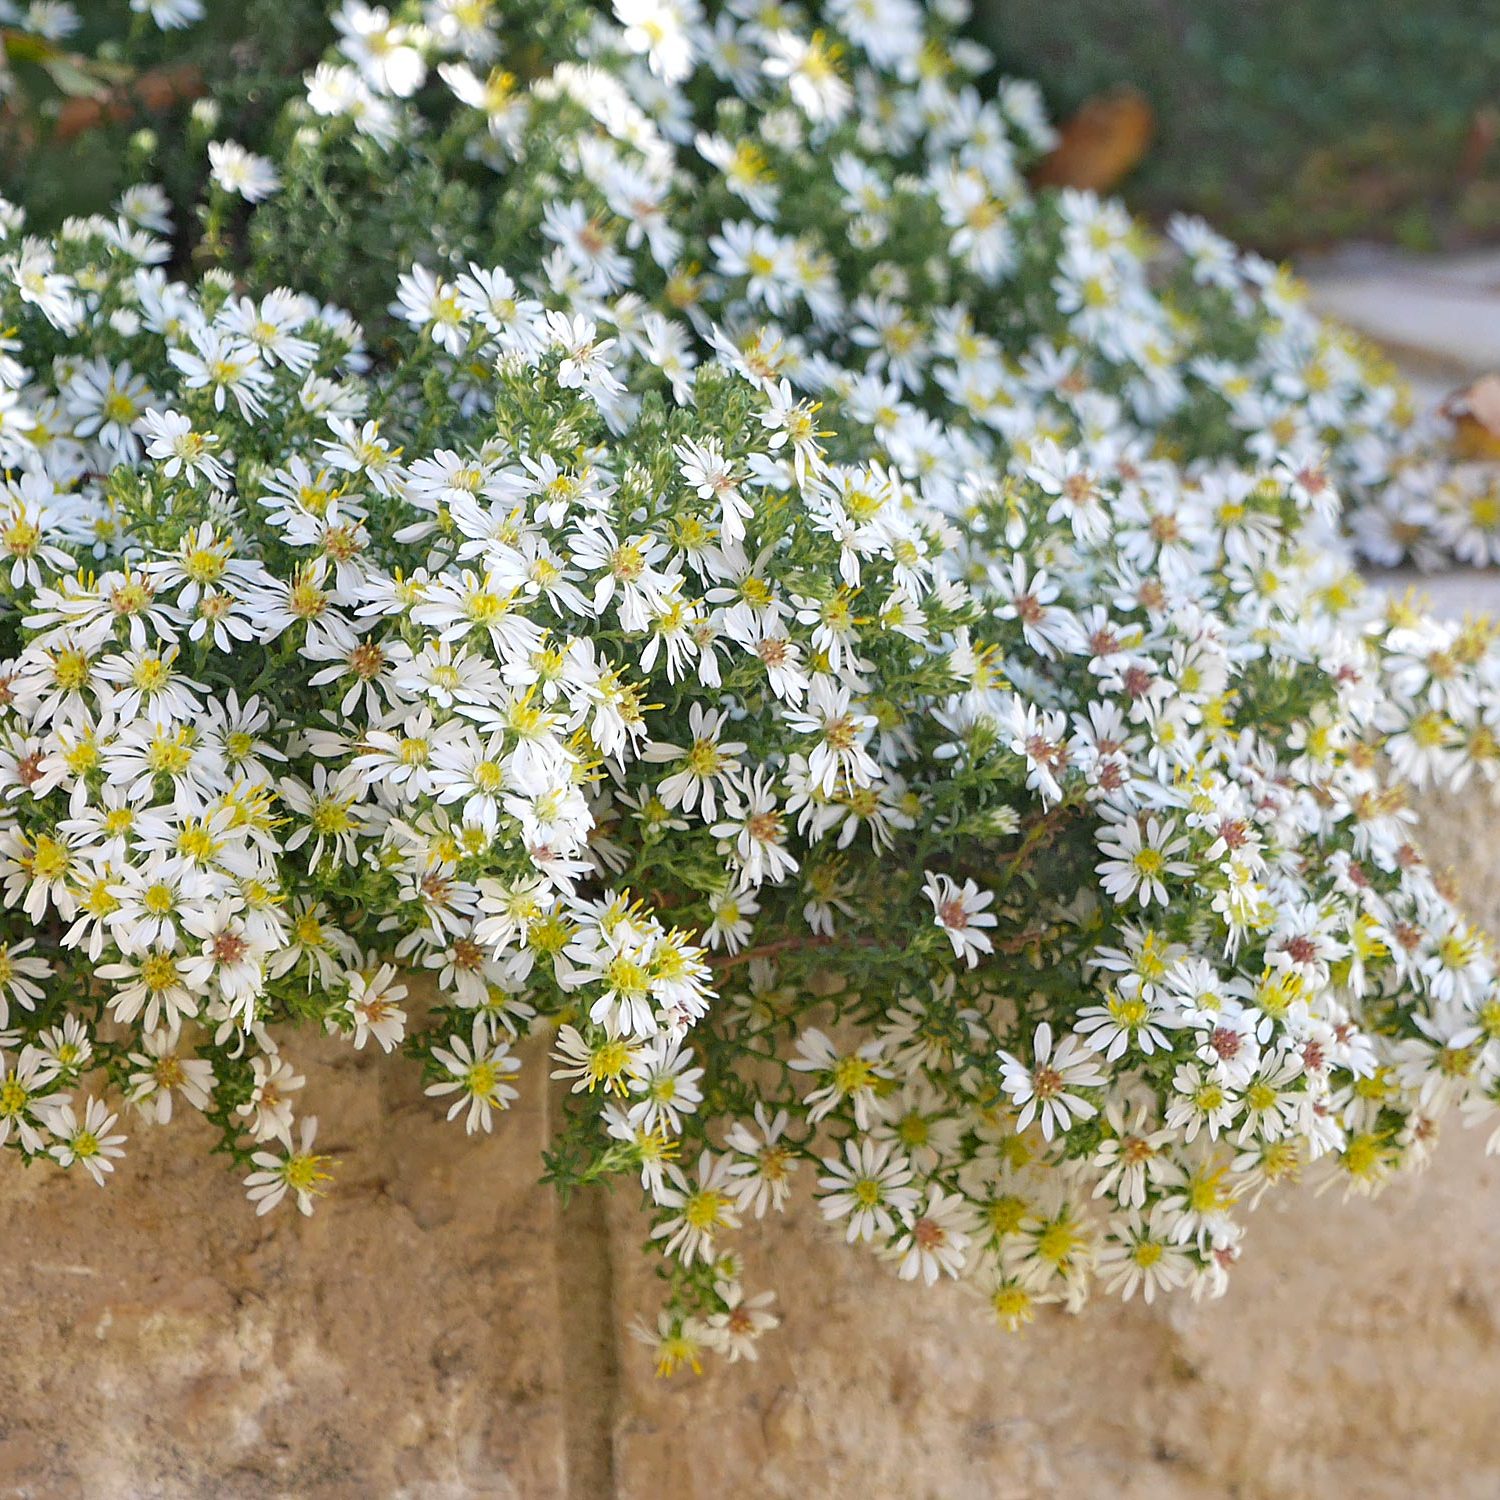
856	665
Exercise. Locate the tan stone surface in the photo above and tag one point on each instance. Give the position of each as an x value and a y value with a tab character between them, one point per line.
408	1341
1356	1355
1440	315
158	1340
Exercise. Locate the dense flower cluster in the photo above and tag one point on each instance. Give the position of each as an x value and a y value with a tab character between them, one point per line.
858	662
847	199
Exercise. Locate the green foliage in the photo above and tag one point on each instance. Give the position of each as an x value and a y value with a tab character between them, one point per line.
248	56
1286	124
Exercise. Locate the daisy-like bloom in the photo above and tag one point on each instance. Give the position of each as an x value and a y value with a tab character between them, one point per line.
241	172
20	971
607	1062
162	1068
501	1006
1140	1254
153	984
675	1342
662	30
311	939
331	817
301	1171
736	1331
170	438
707	767
269	1107
37	872
1030	599
86	1142
759	256
1129	1018
1200	1101
652	1150
272	325
1229	1045
585	242
936	1241
68	1048
960	911
26	522
154	902
233	954
426	301
1133	1158
870	1186
854	1079
386	52
1042	740
43	286
226	368
1014	1304
586	363
621	964
1045	1089
374	1007
841	736
106	402
753	827
666	1084
478	1071
711	476
1053	1248
767	1162
697	1211
24	1080
810	66
1141	855
734	911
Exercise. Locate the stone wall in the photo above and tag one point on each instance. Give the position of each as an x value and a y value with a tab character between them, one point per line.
440	1330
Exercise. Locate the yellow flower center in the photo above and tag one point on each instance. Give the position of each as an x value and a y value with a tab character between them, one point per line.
851	1074
702	1210
159	972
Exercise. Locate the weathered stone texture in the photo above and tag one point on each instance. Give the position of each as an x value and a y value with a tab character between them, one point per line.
161	1341
409	1341
1356	1355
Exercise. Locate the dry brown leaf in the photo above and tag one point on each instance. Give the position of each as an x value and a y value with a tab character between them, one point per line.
152	93
1484	130
1475	411
1101	143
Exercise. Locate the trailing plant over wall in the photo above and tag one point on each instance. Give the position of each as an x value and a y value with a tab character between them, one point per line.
861	662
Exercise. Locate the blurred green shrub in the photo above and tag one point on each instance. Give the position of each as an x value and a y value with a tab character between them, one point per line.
1288	122
110	104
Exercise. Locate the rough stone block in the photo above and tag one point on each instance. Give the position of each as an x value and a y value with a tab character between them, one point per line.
161	1341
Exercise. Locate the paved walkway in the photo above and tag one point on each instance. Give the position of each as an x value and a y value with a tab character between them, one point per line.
1439	316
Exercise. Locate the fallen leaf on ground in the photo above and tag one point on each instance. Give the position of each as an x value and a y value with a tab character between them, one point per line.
1475	412
1100	143
152	92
